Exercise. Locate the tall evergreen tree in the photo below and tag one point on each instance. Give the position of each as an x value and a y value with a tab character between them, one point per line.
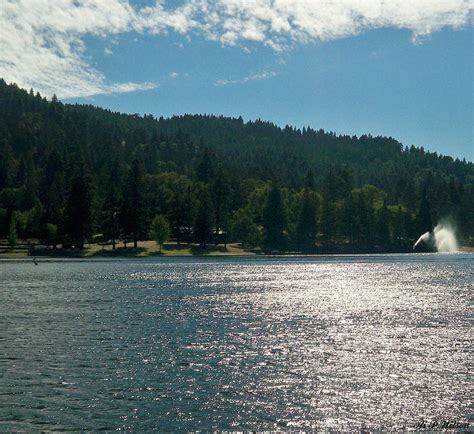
111	208
53	195
12	234
205	168
383	226
328	220
306	228
424	223
275	219
133	205
182	211
204	219
7	165
79	218
221	198
28	180
309	181
347	220
400	230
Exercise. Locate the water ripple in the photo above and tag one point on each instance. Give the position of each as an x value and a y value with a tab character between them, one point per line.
343	343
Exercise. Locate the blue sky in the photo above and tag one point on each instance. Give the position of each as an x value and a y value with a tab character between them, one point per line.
404	72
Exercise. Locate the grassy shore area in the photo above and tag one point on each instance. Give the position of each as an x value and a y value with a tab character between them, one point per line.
144	249
150	248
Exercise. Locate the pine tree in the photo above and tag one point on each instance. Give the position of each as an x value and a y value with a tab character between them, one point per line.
400	230
328	220
12	234
221	196
53	192
424	222
204	219
7	165
205	167
306	228
79	218
182	210
383	226
133	204
361	220
275	220
111	208
347	221
309	181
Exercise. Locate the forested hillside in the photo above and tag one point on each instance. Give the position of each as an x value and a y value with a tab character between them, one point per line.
73	173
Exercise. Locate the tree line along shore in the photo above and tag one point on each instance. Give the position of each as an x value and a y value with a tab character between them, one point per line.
77	179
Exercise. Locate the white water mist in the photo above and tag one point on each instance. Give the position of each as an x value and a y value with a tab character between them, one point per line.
443	238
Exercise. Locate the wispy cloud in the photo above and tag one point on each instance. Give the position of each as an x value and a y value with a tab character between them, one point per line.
252	77
41	42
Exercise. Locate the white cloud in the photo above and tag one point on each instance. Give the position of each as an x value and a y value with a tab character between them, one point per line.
41	41
265	75
280	23
41	44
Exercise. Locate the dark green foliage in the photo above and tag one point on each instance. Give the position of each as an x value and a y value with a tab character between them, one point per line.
221	194
133	204
424	222
205	168
383	226
275	220
244	229
181	207
49	234
87	171
328	220
160	230
309	181
53	192
203	224
307	228
111	208
78	214
7	164
12	234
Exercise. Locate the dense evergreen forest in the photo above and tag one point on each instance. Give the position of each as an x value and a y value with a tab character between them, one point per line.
72	174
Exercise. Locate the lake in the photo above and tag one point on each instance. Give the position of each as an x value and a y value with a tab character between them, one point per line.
330	342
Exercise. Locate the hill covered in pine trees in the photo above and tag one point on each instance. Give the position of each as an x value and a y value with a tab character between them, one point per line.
73	173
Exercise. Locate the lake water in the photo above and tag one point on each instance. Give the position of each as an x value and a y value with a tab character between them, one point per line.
334	342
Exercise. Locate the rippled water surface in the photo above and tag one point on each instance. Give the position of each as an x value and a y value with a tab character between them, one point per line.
276	343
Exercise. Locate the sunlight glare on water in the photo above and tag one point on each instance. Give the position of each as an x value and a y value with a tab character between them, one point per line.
279	343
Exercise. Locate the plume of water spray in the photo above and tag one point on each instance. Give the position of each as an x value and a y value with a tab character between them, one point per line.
443	238
425	238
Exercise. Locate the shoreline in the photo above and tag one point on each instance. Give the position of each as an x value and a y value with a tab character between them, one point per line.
148	249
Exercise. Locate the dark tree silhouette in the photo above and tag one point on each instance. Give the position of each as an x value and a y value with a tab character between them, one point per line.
204	219
275	219
306	229
79	211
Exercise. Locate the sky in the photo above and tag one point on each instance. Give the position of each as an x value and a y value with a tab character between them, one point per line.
400	68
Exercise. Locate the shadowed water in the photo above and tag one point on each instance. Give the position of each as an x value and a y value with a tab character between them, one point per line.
277	343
